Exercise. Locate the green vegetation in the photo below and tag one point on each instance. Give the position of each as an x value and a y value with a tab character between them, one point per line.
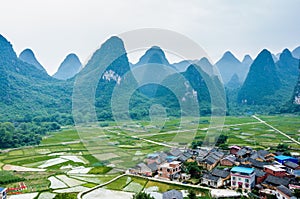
100	170
142	195
7	177
16	136
119	184
192	168
66	196
89	185
192	194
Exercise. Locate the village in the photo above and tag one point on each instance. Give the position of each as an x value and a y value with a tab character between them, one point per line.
253	173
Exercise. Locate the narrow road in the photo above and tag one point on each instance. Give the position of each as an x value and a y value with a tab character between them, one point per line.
79	196
167	132
153	142
282	133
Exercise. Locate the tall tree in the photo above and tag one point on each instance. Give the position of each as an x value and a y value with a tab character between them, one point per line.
142	195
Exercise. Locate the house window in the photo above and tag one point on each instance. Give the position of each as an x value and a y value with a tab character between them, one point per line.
247	185
168	170
247	180
160	169
240	179
233	178
233	183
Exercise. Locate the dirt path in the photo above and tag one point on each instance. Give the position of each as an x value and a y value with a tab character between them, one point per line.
9	167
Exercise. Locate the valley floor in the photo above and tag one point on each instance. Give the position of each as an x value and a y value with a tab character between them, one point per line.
78	159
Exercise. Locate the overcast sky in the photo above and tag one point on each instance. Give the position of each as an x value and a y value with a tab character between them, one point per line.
55	28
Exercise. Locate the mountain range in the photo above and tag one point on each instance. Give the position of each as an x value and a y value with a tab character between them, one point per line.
27	91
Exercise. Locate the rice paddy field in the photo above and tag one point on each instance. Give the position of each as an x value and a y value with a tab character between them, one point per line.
79	158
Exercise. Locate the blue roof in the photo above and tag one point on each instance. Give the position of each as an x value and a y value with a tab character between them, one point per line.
284	157
242	170
170	157
152	155
2	189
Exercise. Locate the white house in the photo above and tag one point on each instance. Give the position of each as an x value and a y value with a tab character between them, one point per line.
242	177
3	194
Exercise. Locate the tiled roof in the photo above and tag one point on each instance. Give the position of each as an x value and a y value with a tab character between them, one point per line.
231	158
285	190
153	166
291	164
257	164
175	152
259	173
183	158
172	194
209	176
220	173
263	153
209	160
273	180
143	167
241	152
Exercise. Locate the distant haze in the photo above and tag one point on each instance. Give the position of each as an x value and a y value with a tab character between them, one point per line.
54	28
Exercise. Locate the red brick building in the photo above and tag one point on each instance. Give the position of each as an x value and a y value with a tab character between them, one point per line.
274	170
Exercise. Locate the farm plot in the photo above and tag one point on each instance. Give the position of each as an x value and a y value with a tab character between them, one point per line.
71	182
104	193
52	162
75	189
8	177
46	195
56	183
136	185
24	196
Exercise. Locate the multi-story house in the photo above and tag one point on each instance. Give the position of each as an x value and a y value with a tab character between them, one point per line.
169	170
242	177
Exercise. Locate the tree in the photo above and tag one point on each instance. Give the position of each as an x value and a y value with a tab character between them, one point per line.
195	144
192	168
297	193
221	140
192	194
142	195
283	148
